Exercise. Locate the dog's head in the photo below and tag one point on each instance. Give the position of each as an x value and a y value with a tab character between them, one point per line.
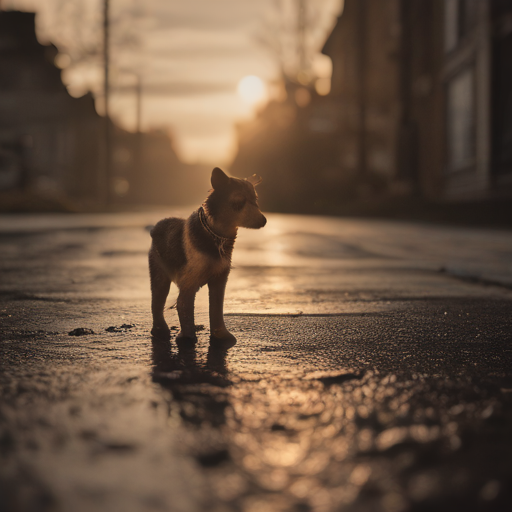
234	201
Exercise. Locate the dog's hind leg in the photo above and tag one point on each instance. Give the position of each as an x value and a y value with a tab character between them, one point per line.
216	289
185	306
160	285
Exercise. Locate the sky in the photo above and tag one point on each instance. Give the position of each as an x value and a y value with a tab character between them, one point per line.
190	56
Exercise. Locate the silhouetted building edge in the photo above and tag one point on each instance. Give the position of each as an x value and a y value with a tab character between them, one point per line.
52	144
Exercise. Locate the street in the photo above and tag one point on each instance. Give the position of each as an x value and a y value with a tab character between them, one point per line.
372	371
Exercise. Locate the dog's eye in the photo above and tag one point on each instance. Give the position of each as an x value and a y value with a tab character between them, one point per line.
238	205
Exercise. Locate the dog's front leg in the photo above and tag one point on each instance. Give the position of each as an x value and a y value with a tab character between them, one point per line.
160	284
216	289
185	307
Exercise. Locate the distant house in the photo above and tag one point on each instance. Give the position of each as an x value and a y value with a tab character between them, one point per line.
53	144
48	140
425	95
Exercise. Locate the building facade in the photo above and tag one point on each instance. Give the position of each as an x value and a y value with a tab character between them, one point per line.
48	140
53	145
425	92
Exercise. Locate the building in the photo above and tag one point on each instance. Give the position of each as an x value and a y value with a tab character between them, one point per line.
425	92
364	48
52	145
48	139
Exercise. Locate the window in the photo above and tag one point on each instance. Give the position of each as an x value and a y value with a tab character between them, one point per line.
468	16
451	15
460	17
461	120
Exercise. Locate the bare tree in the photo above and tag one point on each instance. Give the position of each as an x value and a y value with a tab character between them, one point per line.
77	30
291	32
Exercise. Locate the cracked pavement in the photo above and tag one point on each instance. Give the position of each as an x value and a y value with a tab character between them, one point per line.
372	371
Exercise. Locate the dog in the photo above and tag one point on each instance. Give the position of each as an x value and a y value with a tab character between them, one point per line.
197	251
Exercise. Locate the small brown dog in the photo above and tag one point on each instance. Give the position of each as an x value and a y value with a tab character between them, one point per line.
197	251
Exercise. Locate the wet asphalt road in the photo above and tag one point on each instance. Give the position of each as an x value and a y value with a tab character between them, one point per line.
372	372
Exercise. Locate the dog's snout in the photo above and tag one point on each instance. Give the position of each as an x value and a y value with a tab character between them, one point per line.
253	219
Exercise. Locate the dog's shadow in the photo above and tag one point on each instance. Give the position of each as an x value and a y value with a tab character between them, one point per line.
172	368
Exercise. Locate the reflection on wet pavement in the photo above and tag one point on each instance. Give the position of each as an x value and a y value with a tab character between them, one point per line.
321	449
170	369
342	440
296	264
279	421
363	379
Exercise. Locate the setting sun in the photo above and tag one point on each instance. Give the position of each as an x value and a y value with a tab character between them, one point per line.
252	89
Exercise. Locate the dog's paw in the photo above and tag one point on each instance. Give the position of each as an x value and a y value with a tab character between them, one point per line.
161	332
222	344
222	335
186	336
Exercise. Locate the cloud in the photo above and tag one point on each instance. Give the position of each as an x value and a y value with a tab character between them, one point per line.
190	55
178	88
221	52
218	15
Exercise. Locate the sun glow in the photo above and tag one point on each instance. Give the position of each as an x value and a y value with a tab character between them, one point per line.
252	89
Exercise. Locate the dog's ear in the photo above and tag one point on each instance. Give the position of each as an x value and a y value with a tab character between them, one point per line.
254	180
219	179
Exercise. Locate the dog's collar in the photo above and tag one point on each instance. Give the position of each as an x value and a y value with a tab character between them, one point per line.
204	222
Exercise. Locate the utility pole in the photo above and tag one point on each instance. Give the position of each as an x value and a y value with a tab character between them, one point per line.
301	33
139	146
107	178
139	103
